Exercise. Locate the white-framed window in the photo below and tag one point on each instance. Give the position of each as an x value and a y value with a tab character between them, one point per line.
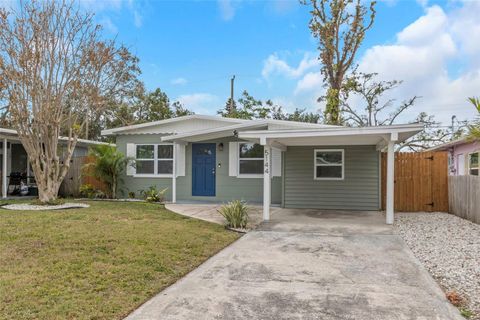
473	163
329	164
250	160
154	159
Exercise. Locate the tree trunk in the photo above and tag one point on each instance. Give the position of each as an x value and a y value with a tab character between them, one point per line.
48	193
332	109
114	187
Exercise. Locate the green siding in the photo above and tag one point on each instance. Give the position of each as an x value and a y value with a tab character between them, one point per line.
358	191
227	188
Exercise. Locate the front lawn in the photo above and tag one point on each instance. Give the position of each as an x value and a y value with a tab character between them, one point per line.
96	263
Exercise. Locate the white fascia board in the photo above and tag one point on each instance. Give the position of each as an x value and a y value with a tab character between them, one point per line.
206	132
160	122
13	134
8	131
301	124
343	131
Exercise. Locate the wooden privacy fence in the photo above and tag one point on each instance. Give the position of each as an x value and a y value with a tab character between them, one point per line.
421	181
464	197
76	176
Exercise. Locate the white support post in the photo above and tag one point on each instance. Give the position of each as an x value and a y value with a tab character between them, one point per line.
4	170
390	181
266	182
174	174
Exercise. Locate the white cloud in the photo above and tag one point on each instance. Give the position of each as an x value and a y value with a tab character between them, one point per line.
106	6
436	56
97	6
8	4
429	56
274	65
202	103
312	81
178	81
137	19
109	25
227	9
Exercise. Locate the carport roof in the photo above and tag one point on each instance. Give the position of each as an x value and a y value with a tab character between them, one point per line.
335	135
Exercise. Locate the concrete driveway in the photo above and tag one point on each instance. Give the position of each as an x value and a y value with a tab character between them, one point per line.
307	264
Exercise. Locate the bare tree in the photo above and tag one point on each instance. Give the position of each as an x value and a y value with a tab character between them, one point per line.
340	27
55	72
374	111
433	134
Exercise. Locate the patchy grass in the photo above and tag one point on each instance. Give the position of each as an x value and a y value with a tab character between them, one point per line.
97	263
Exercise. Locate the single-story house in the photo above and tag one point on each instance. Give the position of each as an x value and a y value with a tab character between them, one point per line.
13	158
462	156
274	162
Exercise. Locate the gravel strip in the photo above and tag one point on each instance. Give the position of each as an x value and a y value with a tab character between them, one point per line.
449	247
33	207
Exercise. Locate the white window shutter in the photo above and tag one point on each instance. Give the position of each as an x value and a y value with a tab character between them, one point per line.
276	163
131	153
180	160
233	159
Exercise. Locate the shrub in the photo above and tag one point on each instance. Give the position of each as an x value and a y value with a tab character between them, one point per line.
236	214
87	191
131	195
107	167
152	194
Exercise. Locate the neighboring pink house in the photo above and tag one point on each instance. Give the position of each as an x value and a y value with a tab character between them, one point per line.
463	156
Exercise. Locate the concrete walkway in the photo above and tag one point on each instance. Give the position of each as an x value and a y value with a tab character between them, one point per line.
307	264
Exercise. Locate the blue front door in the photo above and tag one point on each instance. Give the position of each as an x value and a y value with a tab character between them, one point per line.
203	169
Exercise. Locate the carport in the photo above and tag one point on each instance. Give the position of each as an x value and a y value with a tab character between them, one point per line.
382	137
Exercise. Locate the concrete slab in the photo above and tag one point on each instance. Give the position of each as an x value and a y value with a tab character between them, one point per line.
307	265
209	212
327	222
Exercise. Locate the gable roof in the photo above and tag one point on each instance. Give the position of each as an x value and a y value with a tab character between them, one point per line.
149	127
125	129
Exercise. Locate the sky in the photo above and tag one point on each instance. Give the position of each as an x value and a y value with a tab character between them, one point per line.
190	49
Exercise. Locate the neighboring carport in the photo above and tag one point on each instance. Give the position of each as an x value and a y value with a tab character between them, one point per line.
382	137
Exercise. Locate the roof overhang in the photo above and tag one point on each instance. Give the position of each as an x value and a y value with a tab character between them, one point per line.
126	129
378	136
451	144
12	135
215	133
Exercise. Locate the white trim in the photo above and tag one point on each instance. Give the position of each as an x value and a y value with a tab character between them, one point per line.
390	197
409	129
225	131
174	175
468	163
171	120
149	175
248	175
155	160
315	165
4	169
267	187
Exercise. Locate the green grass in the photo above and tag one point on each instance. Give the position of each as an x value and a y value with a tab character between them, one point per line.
97	263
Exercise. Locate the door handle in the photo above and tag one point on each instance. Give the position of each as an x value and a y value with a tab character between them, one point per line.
213	171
